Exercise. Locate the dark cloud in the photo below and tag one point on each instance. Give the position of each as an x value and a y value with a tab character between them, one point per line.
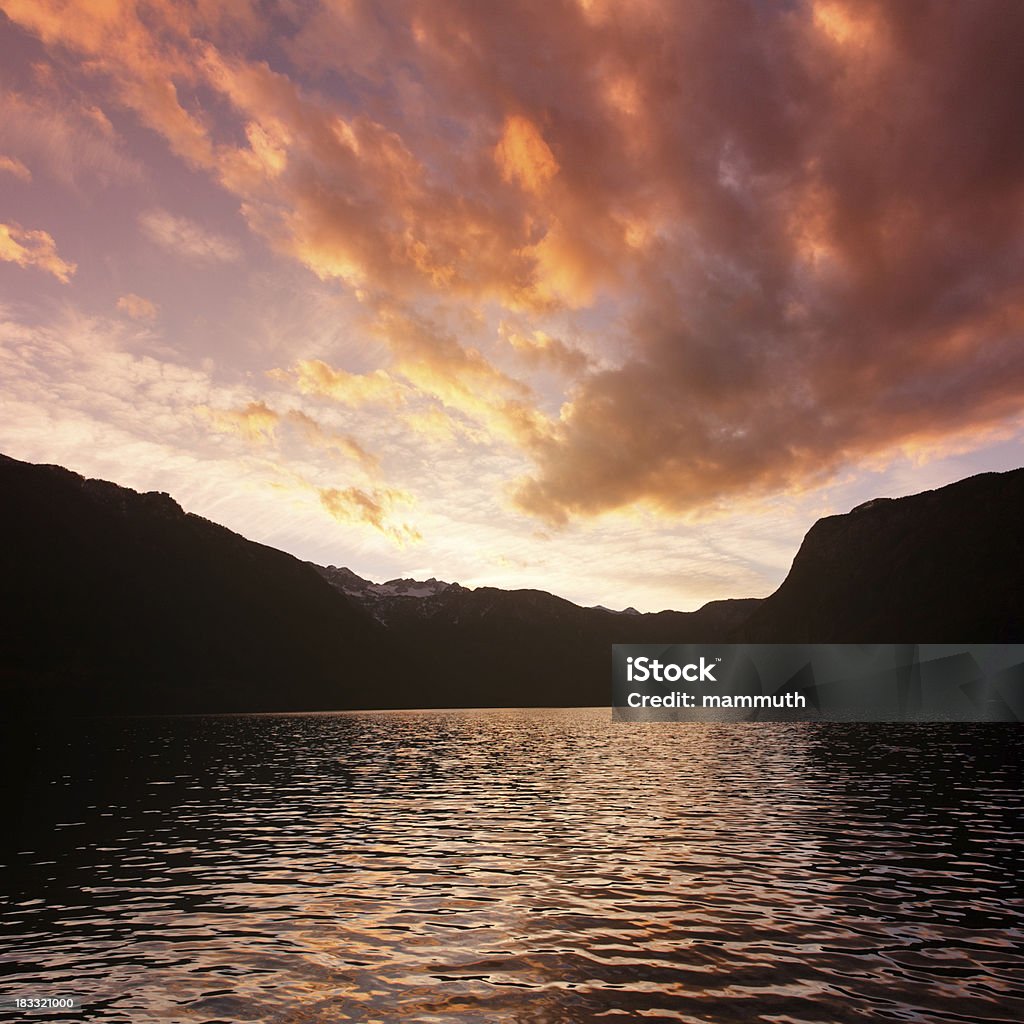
812	214
842	270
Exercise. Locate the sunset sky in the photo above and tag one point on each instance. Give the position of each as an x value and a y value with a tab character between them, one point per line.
612	299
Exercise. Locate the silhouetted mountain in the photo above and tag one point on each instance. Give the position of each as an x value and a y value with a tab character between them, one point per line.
119	601
943	566
404	602
514	647
115	601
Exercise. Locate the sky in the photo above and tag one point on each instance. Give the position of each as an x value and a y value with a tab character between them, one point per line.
610	299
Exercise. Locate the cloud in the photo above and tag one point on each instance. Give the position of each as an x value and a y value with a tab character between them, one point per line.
64	138
837	283
538	348
98	374
428	364
316	433
255	421
258	423
137	307
523	156
11	165
356	505
80	392
33	249
315	377
188	239
434	363
798	228
439	427
340	191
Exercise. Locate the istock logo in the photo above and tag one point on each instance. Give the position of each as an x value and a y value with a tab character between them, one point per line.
639	670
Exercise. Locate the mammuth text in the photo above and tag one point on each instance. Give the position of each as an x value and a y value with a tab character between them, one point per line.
778	700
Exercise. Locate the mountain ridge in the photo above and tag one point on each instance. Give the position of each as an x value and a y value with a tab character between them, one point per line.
121	602
953	571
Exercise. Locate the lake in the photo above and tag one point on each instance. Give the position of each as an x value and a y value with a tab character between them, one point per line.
523	866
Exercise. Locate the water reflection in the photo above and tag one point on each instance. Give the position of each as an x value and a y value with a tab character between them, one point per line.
548	866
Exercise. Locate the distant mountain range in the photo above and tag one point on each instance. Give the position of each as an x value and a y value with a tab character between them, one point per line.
115	601
398	603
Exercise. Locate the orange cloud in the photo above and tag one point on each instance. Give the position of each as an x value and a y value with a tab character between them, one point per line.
345	195
848	25
255	421
430	363
11	165
259	423
541	349
144	53
434	363
436	425
315	377
523	156
565	271
319	435
356	505
137	307
33	249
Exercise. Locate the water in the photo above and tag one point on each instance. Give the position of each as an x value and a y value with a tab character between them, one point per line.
535	866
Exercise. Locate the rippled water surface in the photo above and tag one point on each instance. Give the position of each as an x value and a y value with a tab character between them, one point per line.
535	866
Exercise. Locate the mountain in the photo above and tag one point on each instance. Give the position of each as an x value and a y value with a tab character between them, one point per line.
380	598
943	566
514	647
518	647
115	601
401	602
